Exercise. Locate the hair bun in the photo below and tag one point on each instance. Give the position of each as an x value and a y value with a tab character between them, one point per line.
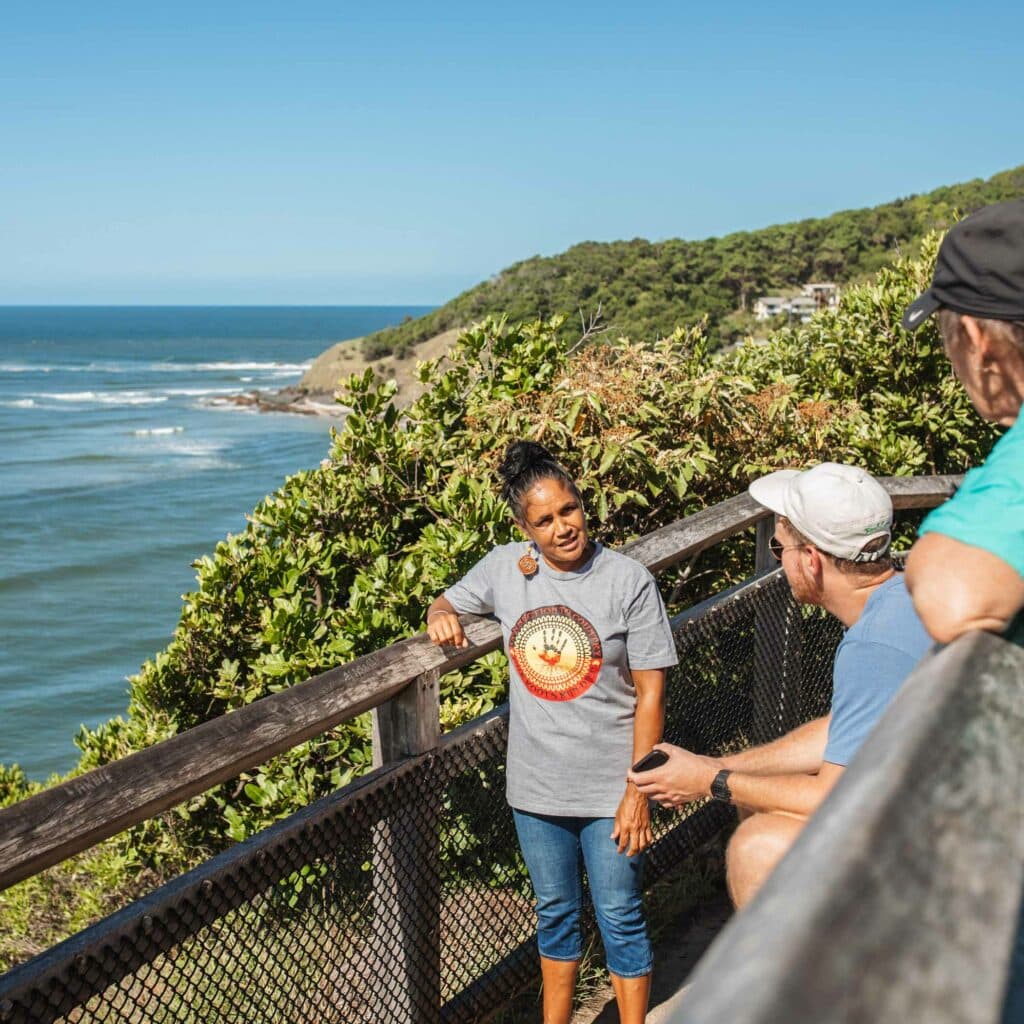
522	456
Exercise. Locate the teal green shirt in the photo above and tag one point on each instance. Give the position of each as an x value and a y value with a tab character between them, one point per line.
988	510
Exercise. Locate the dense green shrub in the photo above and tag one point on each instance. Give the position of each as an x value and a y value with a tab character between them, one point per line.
15	785
344	558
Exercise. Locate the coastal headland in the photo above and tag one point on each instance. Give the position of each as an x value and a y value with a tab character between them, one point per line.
737	285
314	394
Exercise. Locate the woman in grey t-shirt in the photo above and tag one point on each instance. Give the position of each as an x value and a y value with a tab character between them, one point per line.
588	643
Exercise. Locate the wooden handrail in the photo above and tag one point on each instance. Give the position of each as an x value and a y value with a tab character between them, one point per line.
900	899
688	537
59	822
66	819
920	491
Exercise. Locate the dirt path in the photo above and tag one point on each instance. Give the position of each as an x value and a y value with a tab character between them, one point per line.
675	955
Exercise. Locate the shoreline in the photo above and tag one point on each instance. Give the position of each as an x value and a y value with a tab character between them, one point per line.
289	400
314	394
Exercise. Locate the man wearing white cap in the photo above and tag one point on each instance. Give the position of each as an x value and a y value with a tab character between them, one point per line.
832	532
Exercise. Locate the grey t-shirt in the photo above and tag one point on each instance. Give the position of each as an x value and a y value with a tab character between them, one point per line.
572	638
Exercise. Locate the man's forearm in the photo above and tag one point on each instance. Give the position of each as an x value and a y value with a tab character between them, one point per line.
799	795
786	775
798	752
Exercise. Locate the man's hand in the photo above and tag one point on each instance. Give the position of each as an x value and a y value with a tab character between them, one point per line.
632	823
685	777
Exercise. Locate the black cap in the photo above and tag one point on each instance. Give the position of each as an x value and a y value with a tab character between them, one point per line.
980	268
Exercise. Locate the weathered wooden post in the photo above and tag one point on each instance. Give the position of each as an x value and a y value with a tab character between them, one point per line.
763	557
406	869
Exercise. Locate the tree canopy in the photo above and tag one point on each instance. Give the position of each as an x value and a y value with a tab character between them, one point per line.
647	289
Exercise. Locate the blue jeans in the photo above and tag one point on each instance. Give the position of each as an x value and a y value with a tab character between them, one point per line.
552	848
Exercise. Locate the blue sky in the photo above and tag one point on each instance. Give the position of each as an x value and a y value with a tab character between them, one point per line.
398	153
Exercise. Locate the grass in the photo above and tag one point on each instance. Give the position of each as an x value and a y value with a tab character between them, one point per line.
43	910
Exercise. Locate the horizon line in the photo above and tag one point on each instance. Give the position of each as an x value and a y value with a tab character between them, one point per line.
220	305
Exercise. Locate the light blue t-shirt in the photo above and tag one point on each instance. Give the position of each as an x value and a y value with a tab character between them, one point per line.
875	656
987	511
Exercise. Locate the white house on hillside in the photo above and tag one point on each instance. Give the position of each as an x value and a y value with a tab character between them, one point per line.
824	293
804	307
815	296
770	305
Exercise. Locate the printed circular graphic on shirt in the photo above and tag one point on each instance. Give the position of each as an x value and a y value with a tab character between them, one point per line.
556	652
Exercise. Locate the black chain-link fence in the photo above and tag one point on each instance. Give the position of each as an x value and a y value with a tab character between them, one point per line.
403	896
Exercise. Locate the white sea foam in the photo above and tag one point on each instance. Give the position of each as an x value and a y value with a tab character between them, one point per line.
68	368
111	368
201	454
157	431
235	366
199	391
270	367
118	367
20	403
225	404
102	397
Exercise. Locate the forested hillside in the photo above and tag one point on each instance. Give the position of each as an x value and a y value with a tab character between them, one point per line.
647	289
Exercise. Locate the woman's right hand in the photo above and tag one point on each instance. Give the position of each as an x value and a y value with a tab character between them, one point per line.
444	629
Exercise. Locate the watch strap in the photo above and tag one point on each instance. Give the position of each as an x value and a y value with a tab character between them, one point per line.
720	786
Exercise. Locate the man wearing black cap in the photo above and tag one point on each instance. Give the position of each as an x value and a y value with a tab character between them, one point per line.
967	569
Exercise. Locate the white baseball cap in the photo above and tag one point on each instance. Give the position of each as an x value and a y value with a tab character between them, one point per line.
839	509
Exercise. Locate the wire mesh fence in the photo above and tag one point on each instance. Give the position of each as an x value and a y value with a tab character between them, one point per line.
403	896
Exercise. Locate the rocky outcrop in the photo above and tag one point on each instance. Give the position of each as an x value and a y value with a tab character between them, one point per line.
314	393
321	380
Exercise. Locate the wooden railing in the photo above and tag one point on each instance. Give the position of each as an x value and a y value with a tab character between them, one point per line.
900	901
399	683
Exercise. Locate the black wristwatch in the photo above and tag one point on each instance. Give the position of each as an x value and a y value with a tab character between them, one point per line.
720	787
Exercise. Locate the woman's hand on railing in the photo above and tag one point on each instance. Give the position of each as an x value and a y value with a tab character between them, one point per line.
444	628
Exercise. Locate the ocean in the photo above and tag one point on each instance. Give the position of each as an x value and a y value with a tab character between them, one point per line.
120	464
